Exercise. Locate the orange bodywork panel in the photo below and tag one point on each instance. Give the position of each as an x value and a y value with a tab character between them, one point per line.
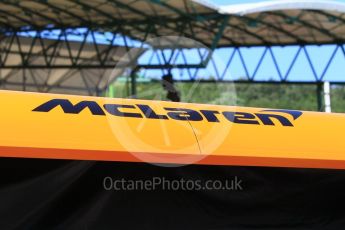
35	125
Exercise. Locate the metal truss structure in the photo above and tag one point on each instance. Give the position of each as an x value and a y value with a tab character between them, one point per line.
237	57
69	46
59	65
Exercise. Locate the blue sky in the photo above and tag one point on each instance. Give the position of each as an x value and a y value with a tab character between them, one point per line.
227	2
300	72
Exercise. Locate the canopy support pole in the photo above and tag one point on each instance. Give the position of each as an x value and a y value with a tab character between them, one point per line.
327	96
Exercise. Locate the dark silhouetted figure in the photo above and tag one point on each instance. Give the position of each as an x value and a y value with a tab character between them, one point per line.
168	85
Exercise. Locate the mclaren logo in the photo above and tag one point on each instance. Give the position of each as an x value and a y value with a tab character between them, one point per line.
143	111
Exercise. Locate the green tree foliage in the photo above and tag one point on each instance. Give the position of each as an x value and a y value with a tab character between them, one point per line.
338	99
281	96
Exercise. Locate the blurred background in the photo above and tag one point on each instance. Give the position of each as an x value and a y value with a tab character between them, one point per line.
280	54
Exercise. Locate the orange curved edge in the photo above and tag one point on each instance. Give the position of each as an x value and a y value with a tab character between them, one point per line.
97	155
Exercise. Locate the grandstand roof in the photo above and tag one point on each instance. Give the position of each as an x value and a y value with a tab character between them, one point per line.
287	22
76	13
266	23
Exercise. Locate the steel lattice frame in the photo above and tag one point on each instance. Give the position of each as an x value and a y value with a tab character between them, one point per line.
139	20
